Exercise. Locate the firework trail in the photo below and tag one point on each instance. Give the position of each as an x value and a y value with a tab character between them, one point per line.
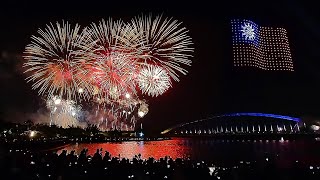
63	113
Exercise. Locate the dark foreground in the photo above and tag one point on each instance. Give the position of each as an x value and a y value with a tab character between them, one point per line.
24	164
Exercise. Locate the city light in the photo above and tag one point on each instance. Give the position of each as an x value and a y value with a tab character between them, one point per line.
141	134
32	134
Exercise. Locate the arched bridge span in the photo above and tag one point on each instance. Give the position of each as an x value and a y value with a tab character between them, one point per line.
274	116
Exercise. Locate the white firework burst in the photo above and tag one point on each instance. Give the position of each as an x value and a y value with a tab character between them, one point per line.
164	43
248	31
107	35
153	80
54	58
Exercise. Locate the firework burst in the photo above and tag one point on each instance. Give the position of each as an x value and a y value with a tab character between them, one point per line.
63	113
153	80
122	113
53	59
165	43
107	63
114	63
115	75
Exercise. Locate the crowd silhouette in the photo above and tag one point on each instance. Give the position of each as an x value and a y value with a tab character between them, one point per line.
25	164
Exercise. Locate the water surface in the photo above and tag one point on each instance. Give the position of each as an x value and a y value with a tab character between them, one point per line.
219	151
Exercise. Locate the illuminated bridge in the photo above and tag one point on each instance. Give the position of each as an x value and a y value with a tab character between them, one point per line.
238	123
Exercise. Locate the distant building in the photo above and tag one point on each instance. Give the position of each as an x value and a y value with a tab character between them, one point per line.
266	48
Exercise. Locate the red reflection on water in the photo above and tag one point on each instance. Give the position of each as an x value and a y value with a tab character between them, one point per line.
156	149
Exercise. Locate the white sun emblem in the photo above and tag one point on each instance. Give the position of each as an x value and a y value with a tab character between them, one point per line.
248	31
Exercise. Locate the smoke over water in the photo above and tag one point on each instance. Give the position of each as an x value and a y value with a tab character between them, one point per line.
19	103
104	119
17	116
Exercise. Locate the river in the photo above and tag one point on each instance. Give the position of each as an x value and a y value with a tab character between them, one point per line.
224	152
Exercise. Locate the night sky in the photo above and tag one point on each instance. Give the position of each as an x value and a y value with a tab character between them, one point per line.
212	86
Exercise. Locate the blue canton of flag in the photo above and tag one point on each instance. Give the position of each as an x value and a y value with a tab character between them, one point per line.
245	31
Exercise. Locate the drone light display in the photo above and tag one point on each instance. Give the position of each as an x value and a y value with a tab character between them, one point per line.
109	64
265	48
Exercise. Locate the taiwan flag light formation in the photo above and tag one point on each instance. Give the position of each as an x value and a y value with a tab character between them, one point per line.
266	48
